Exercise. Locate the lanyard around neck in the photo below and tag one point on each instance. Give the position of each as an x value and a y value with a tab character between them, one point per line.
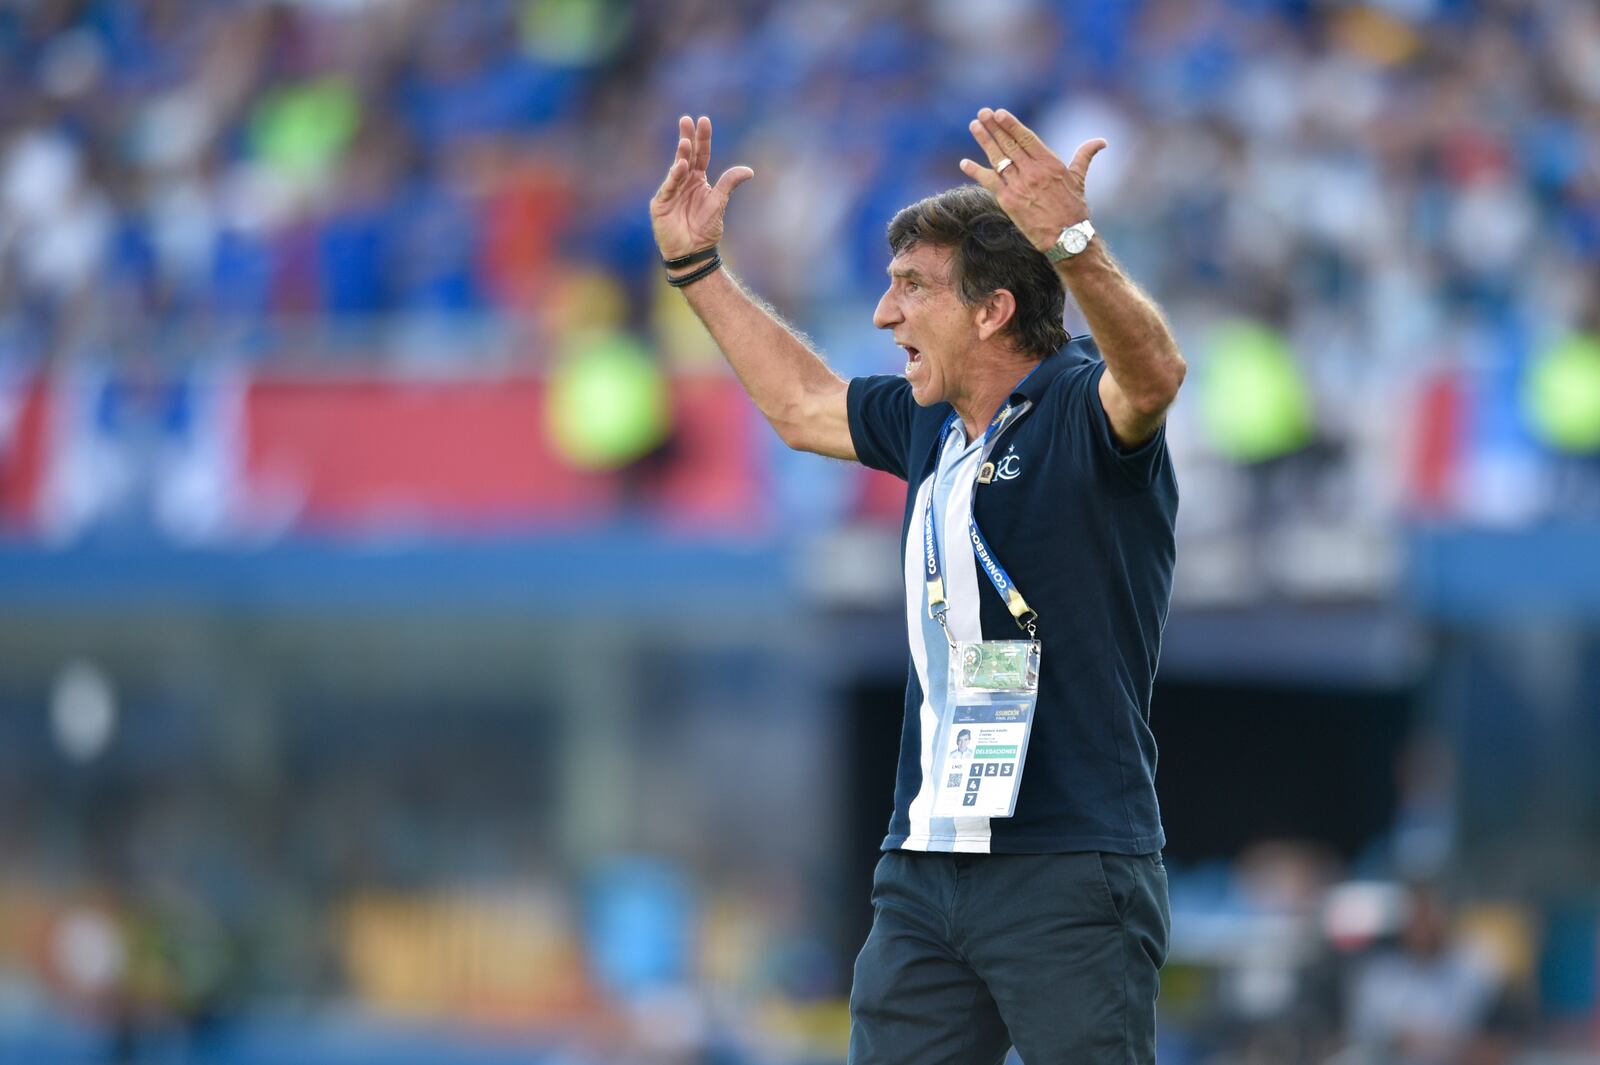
1026	617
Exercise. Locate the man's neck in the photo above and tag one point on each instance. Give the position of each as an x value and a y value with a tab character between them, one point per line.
976	406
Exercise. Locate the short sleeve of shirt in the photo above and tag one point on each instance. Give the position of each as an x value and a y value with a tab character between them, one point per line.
1077	393
881	411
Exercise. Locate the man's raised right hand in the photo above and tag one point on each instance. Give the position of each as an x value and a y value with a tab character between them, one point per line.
686	211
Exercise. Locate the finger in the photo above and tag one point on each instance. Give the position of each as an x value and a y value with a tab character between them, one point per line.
702	144
982	175
686	139
732	178
678	166
673	181
685	145
1086	151
1008	145
1026	140
986	141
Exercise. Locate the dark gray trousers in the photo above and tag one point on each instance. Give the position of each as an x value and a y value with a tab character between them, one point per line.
970	954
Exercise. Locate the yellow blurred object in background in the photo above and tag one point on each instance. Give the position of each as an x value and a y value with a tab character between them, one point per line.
608	403
1253	395
1561	395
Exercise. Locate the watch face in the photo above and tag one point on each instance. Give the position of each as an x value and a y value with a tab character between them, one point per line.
1075	241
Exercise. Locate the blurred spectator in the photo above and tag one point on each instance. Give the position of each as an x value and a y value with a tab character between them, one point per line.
608	401
1432	1000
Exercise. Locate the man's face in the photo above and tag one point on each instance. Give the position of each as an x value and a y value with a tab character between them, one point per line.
928	320
964	741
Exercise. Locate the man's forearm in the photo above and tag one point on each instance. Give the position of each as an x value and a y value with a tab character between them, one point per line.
1127	326
782	374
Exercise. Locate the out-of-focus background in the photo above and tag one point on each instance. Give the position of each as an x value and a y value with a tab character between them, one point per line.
413	647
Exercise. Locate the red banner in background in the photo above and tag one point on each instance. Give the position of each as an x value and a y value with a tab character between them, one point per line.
23	410
222	457
369	454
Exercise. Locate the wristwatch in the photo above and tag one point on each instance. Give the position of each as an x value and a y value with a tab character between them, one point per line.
1073	239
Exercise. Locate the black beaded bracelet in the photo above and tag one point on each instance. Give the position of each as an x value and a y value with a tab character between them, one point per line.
694	275
688	260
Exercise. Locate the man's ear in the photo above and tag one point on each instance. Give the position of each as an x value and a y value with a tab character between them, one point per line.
994	313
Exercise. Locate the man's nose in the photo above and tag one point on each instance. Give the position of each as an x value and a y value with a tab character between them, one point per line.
887	315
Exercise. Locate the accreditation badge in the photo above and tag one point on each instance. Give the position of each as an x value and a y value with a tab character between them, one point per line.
994	686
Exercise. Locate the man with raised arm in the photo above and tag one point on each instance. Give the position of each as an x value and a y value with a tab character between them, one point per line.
1021	898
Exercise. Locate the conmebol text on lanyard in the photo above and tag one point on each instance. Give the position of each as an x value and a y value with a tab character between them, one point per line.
937	607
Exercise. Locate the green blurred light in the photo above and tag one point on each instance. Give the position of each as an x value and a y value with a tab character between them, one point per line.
608	403
1253	400
301	130
1561	395
576	33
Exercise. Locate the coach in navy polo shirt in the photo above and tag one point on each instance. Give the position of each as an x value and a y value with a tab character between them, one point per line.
1045	929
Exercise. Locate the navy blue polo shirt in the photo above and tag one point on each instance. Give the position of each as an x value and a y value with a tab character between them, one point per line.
1085	530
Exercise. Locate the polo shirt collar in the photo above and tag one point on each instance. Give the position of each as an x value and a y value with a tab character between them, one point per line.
1038	381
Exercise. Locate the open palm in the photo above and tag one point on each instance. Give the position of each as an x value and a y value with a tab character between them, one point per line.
686	211
1037	191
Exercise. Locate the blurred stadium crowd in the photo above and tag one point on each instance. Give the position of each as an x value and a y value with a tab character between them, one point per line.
1375	226
1345	173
